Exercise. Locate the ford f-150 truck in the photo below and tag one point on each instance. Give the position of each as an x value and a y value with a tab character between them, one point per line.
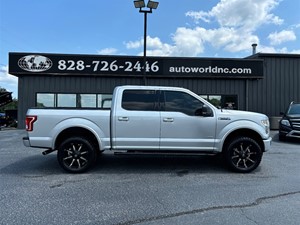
149	120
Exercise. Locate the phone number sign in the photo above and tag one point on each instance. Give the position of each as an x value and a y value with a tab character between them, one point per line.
62	64
81	64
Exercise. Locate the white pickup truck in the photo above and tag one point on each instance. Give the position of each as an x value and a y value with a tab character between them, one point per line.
150	120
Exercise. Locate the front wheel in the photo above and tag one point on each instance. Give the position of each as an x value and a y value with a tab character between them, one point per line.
243	155
76	154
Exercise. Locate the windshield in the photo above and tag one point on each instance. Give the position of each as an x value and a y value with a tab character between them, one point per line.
294	109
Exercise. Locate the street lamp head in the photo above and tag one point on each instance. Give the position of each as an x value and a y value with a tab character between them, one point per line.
152	5
139	4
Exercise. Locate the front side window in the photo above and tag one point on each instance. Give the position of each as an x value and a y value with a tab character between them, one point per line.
140	100
182	102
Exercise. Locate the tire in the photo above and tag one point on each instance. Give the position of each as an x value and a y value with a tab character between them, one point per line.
243	155
76	155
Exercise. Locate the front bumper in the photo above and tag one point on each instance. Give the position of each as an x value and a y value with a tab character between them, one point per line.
291	134
285	131
267	144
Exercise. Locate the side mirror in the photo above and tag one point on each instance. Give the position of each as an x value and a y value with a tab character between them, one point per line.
204	111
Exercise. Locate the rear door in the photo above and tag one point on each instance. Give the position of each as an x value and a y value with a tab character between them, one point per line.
137	121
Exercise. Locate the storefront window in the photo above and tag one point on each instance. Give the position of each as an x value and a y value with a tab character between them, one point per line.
230	102
66	100
204	97
222	101
45	100
73	100
87	100
104	101
215	100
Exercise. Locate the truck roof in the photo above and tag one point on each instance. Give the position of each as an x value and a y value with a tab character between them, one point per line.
142	87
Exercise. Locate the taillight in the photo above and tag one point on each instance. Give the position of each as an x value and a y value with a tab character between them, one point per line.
29	122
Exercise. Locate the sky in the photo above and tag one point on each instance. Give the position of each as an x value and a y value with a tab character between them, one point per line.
177	28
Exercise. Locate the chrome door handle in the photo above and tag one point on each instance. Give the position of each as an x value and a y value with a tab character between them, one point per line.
168	120
123	118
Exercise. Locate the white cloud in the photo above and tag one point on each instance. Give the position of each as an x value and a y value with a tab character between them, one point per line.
266	49
244	14
295	51
277	38
199	16
107	51
237	21
155	47
233	27
7	81
188	42
191	42
151	43
134	44
271	49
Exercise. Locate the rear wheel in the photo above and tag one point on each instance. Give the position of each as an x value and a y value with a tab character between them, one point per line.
243	155
76	155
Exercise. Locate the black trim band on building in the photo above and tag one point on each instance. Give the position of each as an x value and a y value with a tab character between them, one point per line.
100	65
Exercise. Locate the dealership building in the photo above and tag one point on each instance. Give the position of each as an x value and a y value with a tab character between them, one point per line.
264	83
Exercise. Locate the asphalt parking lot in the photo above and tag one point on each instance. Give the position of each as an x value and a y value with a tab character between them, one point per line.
150	190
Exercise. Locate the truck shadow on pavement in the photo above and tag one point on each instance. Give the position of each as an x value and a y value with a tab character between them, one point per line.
108	163
179	165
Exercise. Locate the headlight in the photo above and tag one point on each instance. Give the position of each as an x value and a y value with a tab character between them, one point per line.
266	124
285	123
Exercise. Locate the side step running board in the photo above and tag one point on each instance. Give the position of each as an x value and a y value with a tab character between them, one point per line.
166	153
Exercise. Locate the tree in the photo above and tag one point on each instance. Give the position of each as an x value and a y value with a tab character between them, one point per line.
2	89
11	105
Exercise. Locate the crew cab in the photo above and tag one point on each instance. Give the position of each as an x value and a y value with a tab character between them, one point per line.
149	120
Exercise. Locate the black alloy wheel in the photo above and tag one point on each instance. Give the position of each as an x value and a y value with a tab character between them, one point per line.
76	155
243	155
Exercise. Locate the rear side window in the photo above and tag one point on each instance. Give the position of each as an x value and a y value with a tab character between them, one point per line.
140	100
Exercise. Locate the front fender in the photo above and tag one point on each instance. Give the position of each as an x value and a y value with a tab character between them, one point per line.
224	131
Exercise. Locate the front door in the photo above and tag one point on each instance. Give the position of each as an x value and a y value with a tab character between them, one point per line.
183	124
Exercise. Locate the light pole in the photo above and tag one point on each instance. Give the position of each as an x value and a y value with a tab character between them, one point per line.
150	5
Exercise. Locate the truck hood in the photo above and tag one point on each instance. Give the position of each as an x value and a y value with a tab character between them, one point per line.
237	114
